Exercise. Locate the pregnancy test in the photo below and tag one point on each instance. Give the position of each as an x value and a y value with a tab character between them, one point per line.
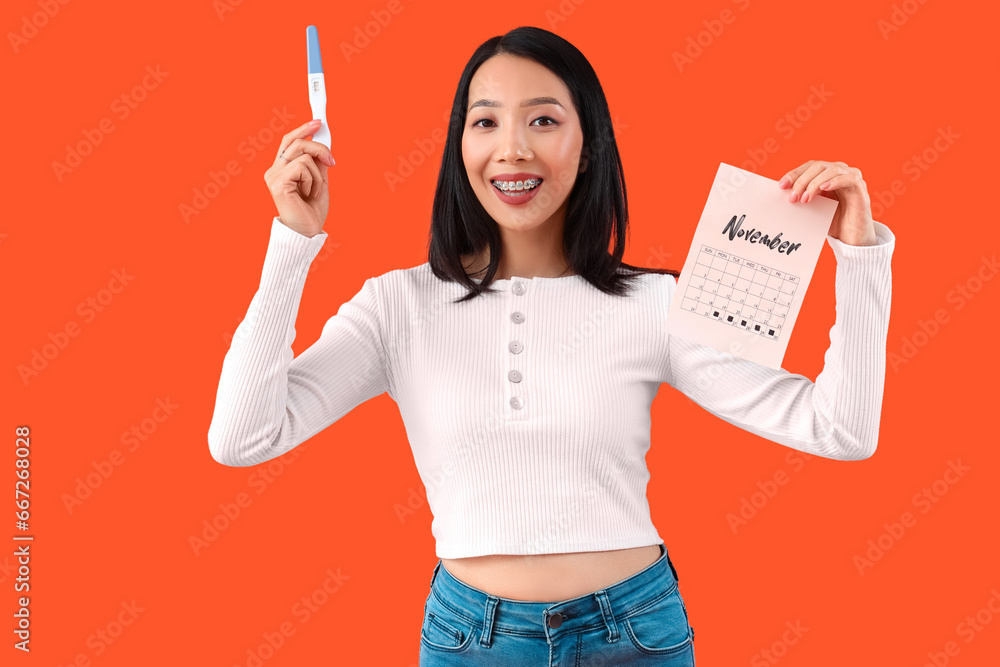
317	87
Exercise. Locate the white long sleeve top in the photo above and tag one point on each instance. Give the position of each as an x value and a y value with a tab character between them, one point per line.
528	410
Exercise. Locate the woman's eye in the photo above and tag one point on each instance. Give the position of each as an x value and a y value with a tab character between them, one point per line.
550	122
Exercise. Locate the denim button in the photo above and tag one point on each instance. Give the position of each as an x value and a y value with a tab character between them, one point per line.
555	620
515	347
516	402
516	317
517	288
514	376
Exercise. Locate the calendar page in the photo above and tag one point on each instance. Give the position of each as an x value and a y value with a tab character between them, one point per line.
748	267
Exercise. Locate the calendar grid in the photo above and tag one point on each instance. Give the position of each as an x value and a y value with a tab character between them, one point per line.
740	293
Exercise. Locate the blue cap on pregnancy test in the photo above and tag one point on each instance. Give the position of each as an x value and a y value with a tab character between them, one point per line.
312	40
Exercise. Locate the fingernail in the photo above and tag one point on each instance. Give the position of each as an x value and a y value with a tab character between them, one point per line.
783	182
314	121
805	197
331	160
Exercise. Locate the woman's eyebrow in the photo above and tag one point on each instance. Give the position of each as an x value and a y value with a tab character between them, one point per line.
531	102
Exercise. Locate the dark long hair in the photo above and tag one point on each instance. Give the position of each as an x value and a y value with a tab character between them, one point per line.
597	209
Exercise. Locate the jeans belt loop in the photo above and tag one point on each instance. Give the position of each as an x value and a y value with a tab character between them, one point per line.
486	639
609	616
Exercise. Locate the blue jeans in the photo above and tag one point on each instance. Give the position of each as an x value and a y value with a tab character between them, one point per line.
641	620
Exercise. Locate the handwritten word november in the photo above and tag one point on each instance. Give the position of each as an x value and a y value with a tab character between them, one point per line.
755	236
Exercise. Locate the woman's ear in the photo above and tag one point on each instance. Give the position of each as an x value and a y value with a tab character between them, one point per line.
583	161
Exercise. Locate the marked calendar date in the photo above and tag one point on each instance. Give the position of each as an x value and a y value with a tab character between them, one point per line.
738	292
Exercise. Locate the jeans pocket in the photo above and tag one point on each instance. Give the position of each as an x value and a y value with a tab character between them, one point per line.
445	629
661	626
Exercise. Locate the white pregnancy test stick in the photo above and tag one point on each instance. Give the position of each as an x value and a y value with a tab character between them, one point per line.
317	87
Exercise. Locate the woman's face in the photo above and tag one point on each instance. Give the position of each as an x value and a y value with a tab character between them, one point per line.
502	139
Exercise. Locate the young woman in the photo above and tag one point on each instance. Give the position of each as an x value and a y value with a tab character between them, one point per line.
524	357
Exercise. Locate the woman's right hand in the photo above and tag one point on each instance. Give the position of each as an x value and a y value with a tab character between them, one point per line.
298	181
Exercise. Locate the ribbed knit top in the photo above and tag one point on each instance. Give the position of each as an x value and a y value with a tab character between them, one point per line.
528	410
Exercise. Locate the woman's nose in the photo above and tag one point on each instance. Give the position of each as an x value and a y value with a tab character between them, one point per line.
513	144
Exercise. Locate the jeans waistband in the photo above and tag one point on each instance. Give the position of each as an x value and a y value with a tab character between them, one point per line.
539	618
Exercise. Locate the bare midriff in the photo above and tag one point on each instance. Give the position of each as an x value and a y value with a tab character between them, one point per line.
550	577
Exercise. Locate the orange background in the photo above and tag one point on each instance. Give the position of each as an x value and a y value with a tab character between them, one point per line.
164	335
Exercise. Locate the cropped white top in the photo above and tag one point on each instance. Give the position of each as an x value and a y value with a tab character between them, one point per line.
528	410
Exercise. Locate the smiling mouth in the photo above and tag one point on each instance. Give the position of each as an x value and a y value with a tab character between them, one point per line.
517	188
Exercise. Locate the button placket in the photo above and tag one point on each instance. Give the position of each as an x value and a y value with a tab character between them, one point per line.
515	346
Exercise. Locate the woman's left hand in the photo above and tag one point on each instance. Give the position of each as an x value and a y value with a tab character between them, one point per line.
852	221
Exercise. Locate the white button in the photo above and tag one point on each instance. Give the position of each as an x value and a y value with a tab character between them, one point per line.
515	347
516	402
514	376
517	317
517	288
